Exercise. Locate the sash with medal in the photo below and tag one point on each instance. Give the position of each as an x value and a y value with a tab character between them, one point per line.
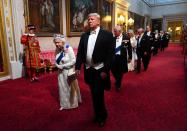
60	58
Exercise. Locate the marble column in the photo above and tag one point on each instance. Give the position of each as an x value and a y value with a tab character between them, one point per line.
164	24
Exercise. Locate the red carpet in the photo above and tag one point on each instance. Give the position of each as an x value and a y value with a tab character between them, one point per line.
155	100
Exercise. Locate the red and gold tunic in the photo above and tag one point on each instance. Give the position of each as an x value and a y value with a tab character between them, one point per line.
32	50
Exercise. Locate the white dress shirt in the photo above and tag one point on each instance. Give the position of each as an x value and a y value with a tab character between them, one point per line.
133	42
156	36
118	43
149	33
90	48
140	38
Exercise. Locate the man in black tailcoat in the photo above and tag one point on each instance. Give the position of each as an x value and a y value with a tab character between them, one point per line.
151	36
123	55
167	38
156	42
96	51
163	41
143	50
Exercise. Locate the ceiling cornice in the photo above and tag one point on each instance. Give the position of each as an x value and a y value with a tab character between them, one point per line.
146	3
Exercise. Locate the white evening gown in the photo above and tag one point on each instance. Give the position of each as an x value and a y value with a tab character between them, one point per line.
131	65
69	96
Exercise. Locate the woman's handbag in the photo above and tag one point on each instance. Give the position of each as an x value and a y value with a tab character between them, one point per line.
71	76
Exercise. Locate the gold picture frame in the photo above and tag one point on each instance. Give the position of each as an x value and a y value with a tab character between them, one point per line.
106	14
46	15
121	14
77	11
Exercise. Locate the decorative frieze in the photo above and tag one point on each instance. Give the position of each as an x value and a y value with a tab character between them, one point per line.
9	29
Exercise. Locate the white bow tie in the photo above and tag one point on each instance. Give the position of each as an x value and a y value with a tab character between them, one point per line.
92	32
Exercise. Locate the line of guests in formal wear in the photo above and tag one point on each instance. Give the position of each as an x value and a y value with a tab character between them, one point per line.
69	93
146	44
100	52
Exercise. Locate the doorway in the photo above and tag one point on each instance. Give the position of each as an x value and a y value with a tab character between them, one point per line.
175	29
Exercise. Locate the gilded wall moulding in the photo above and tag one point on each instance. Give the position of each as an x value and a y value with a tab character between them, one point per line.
3	50
6	3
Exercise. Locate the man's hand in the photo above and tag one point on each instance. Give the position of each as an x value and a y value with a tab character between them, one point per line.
103	75
77	72
129	60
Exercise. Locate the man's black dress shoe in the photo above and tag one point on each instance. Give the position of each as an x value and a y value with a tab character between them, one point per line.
118	89
101	123
95	120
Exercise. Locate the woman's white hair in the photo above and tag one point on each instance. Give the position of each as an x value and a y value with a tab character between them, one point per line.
59	37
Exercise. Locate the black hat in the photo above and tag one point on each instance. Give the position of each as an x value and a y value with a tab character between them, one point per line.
31	27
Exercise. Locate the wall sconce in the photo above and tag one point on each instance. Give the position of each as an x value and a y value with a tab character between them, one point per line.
169	29
107	18
130	21
177	28
121	20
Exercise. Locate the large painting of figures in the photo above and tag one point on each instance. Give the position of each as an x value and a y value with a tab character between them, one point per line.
77	12
45	15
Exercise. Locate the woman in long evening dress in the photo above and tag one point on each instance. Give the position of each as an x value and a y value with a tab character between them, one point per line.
69	94
132	64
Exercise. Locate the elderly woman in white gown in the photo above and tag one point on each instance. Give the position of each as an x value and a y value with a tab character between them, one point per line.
131	65
69	94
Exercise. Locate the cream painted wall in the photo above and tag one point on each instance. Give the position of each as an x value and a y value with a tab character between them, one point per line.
46	43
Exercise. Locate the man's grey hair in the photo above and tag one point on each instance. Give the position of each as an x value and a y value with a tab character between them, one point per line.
118	28
161	31
94	14
141	30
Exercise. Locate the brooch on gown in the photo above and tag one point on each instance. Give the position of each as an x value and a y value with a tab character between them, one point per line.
66	47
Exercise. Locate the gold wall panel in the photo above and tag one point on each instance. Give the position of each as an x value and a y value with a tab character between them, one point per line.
3	48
